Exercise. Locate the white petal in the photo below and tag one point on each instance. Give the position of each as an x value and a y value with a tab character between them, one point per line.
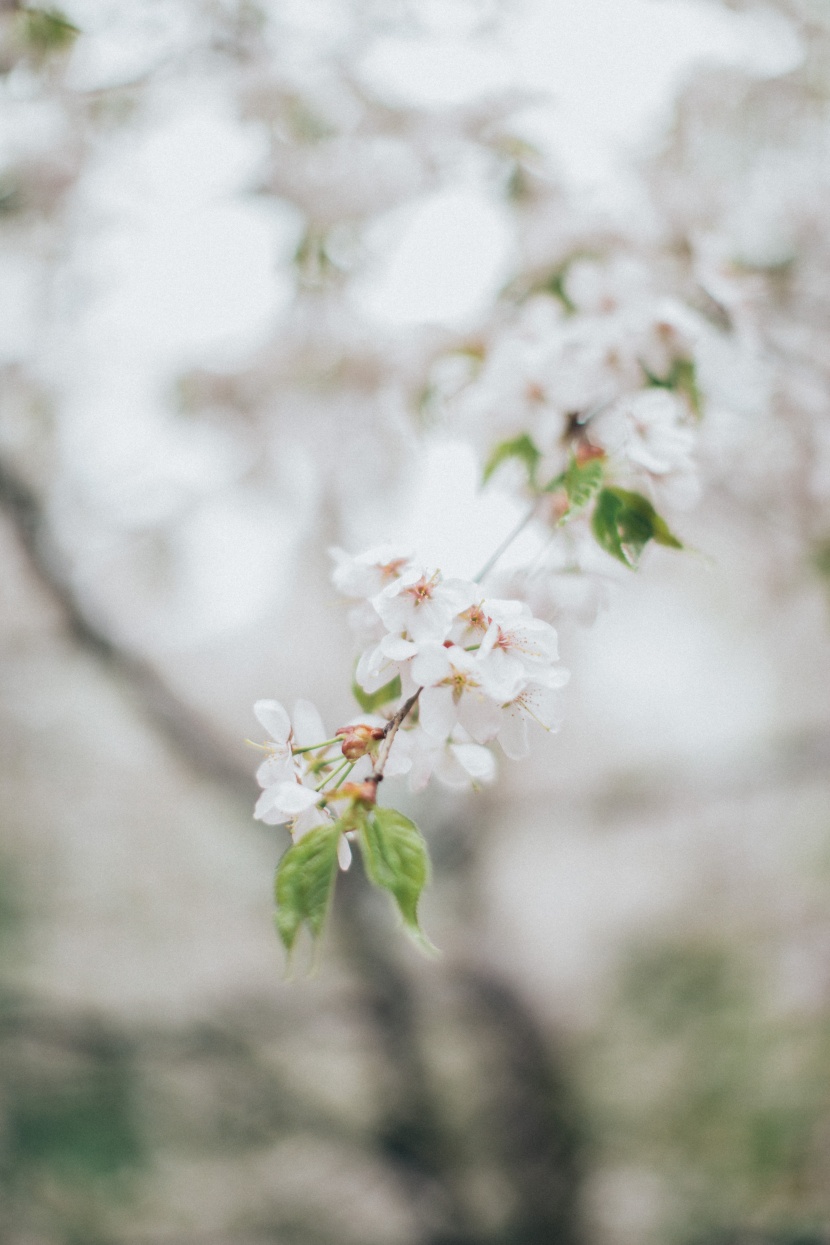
396	648
373	670
547	705
273	817
491	635
425	753
294	798
308	725
460	594
430	621
437	712
344	853
267	804
274	718
479	715
479	762
504	611
431	665
309	820
399	760
450	771
513	734
274	770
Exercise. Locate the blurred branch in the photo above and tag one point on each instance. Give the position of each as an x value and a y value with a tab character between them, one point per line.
411	1136
191	736
533	1115
530	1115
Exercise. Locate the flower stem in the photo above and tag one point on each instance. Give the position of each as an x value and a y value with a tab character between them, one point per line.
505	544
343	775
315	747
344	764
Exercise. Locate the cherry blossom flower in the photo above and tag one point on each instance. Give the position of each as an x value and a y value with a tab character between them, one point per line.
456	691
650	429
422	604
538	701
516	644
456	762
389	658
278	765
368	573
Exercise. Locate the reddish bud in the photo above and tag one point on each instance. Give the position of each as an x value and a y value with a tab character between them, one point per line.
584	452
363	792
358	739
558	505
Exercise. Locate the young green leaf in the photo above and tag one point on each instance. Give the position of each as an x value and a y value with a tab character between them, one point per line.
555	285
521	447
396	860
624	522
370	701
681	378
47	30
305	883
582	481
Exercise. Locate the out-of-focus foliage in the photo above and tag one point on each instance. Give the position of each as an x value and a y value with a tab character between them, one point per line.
726	1104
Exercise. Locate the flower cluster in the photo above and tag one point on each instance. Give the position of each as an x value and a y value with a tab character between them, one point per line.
607	366
477	669
452	671
588	389
309	780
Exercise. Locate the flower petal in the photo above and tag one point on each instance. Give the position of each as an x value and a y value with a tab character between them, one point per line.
344	853
308	725
275	769
274	718
437	712
294	798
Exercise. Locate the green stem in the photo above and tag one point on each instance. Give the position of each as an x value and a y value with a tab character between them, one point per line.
505	544
343	775
344	765
315	747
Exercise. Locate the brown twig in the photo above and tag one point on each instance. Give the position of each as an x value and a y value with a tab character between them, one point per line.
390	731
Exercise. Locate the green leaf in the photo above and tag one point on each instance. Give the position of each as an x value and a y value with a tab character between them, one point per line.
681	378
370	701
555	285
582	481
624	522
396	860
305	883
521	447
47	30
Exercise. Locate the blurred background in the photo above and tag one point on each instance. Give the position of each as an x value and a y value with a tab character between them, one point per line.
234	239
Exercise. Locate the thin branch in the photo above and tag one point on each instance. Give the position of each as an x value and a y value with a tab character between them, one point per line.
505	544
390	731
190	734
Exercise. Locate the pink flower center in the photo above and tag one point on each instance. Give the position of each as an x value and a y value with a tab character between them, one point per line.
422	591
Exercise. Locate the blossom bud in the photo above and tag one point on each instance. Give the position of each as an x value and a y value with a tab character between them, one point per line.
361	792
584	452
557	505
358	739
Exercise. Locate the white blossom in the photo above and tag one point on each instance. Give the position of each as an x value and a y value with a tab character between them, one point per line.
456	691
516	644
457	762
650	429
368	573
538	701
